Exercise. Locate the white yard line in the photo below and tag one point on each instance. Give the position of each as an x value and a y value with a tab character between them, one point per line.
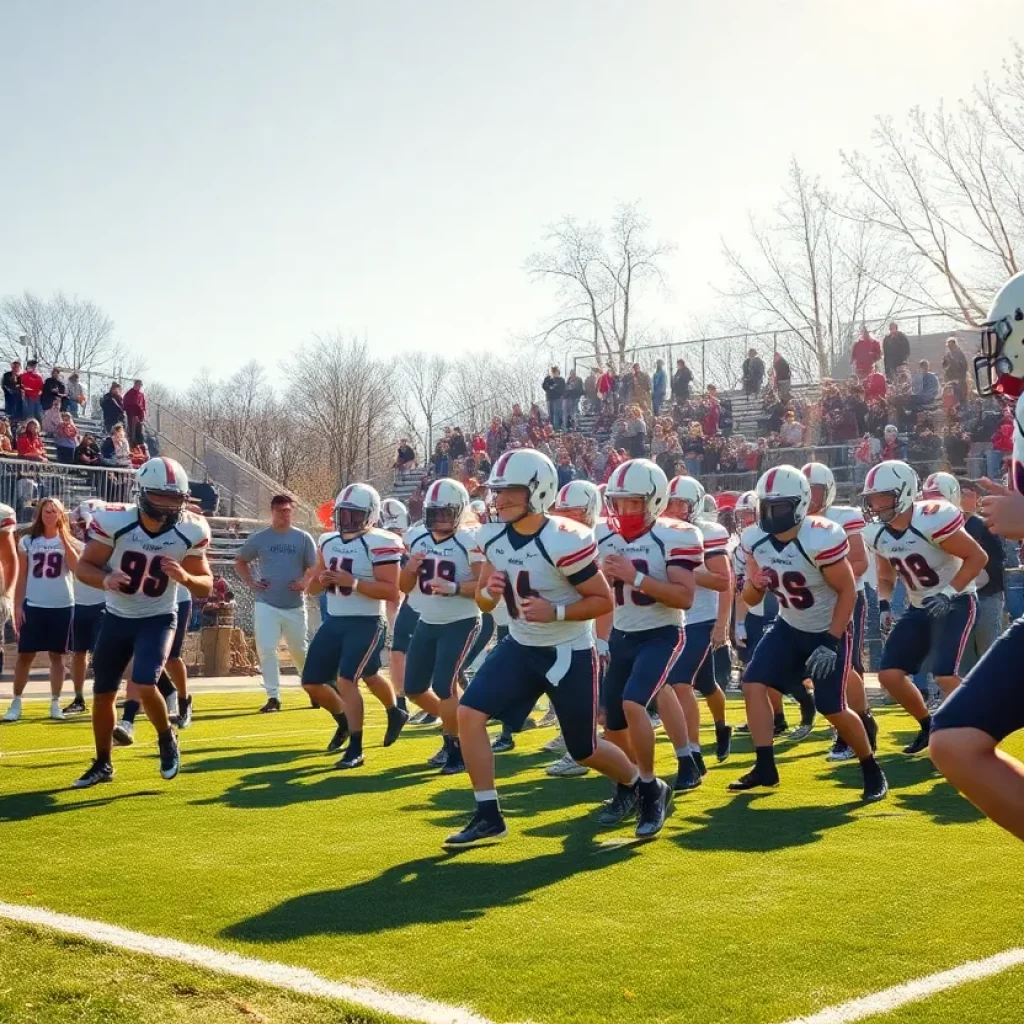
294	979
890	999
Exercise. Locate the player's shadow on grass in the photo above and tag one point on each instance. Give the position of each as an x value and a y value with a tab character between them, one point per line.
24	806
942	803
739	827
431	890
200	763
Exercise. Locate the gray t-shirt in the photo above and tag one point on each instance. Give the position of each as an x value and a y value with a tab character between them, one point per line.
282	558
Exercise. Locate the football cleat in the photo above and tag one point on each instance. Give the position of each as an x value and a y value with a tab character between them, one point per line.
76	707
919	743
185	715
503	743
723	742
653	811
272	705
397	719
481	829
99	771
170	757
801	732
555	745
124	733
566	768
454	765
440	759
875	790
339	737
752	780
687	777
350	761
840	750
55	711
13	712
620	807
549	719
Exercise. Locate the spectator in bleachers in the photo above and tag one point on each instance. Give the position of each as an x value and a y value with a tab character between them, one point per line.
66	439
135	410
440	459
753	373
457	448
590	389
112	408
14	392
642	388
792	430
659	386
693	449
87	453
406	456
874	384
573	394
925	386
479	446
115	450
74	401
782	375
865	353
606	390
954	368
30	443
1002	446
554	391
139	455
891	448
54	393
564	469
958	445
712	412
497	438
895	351
6	441
635	432
682	380
32	390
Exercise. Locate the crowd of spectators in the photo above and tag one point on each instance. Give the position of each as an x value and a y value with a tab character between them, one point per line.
883	410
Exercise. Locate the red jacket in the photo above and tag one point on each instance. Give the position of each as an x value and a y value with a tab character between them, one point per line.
31	448
1002	439
32	383
134	402
874	386
866	352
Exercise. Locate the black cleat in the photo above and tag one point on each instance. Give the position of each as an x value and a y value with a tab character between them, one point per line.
454	765
503	743
742	730
424	719
752	780
99	771
76	707
350	760
653	811
723	742
440	759
273	704
338	739
481	829
184	715
919	744
621	806
687	778
779	728
396	723
170	757
876	789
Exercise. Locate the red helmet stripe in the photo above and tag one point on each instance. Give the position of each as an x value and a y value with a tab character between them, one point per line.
769	483
169	470
869	484
345	493
563	494
499	469
433	491
621	481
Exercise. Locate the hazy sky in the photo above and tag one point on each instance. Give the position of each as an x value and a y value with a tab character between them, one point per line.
227	178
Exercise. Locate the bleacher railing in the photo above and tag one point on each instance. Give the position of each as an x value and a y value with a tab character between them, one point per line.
23	483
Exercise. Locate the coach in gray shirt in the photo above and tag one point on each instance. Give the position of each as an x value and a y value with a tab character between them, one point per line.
273	564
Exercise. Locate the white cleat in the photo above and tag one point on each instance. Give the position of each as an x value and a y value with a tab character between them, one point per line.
55	711
550	718
13	712
566	768
555	746
124	733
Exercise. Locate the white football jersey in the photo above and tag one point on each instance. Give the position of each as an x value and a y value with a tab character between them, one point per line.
739	571
852	521
916	554
449	559
84	594
8	520
540	565
716	542
48	578
138	553
358	556
666	543
806	601
1016	481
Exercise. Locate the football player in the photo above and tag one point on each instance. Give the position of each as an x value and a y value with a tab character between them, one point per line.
650	564
136	554
544	569
90	603
969	727
802	559
823	503
926	545
357	565
707	620
394	517
44	600
443	565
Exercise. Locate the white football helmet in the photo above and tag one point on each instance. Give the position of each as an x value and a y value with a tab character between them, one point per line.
81	516
783	499
746	509
601	488
479	509
943	486
444	505
531	470
819	475
710	509
890	477
685	498
356	507
999	367
637	478
394	516
579	500
167	481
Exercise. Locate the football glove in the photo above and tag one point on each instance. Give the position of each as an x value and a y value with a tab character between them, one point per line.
822	662
937	606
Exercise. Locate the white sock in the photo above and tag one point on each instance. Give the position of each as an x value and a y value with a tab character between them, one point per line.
683	751
484	795
694	748
647	776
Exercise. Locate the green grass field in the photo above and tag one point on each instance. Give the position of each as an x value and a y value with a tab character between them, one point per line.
747	909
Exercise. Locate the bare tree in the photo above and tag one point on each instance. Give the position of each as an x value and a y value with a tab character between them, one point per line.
811	273
480	387
948	190
419	394
60	331
598	280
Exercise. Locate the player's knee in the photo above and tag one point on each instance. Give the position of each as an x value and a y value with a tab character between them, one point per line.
470	718
580	748
951	750
889	677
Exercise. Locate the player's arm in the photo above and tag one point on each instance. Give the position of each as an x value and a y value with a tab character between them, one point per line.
71	550
595	600
720	632
1002	510
19	589
316	584
9	562
886	577
193	572
839	576
410	573
677	592
92	568
716	574
755	585
383	586
858	556
962	545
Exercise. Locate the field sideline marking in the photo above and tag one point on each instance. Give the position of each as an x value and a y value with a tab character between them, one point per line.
294	979
890	999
